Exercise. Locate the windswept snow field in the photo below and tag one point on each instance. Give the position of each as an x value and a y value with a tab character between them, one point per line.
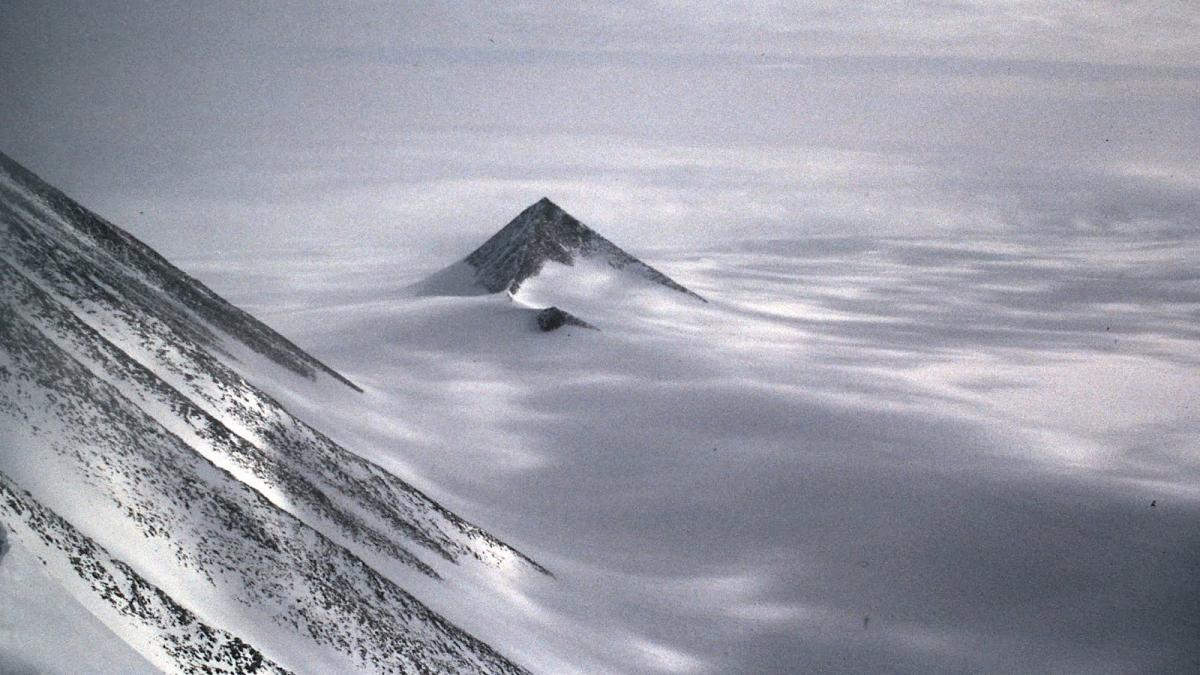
861	455
640	338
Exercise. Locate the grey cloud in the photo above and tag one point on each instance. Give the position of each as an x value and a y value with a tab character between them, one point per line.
204	125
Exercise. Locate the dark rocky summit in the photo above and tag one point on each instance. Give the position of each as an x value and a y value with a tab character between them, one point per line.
545	233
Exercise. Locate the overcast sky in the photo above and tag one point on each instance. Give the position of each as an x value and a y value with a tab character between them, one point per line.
209	124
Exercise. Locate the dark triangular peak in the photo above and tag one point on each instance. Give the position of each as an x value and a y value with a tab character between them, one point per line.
545	233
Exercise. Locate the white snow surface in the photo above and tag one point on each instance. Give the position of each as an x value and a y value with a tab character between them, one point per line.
44	630
862	455
456	280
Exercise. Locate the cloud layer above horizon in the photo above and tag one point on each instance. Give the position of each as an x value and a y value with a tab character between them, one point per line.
201	125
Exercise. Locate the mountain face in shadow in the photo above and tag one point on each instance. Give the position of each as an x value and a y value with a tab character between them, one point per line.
540	235
203	523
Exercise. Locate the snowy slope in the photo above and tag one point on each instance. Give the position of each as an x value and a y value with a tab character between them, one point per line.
46	608
168	635
128	410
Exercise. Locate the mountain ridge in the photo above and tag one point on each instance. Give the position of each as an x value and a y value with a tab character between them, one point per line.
108	239
125	416
542	233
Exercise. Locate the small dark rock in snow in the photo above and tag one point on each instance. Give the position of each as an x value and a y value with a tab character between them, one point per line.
553	318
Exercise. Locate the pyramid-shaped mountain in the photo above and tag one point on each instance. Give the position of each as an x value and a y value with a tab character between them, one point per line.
542	233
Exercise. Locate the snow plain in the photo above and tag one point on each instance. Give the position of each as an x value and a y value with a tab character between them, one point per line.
52	633
863	455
